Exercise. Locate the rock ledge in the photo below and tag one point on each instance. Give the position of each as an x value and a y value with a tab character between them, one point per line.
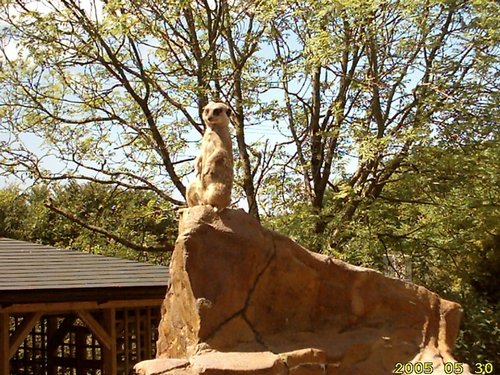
246	300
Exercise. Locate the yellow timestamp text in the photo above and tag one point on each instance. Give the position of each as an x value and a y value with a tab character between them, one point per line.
448	368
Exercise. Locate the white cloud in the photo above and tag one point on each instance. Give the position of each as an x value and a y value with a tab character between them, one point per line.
92	8
11	50
41	7
212	4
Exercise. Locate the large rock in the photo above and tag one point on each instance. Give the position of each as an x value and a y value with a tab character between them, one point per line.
244	299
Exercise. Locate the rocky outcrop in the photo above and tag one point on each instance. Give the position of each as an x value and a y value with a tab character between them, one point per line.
244	299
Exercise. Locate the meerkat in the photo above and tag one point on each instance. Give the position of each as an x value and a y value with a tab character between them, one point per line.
214	164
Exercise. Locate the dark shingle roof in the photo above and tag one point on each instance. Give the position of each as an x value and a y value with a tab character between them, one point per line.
26	266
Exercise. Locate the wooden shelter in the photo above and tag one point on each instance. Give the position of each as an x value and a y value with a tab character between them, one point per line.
72	313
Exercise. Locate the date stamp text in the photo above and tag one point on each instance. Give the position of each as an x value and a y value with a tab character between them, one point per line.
448	368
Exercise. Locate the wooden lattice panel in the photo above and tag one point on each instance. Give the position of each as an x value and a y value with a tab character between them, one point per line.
31	358
136	339
64	345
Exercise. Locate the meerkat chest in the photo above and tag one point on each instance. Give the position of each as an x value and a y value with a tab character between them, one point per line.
216	141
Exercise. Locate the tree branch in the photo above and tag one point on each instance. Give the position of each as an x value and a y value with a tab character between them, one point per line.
123	241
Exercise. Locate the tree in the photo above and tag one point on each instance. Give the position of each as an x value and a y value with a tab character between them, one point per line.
443	217
12	212
113	94
386	111
114	91
373	81
139	228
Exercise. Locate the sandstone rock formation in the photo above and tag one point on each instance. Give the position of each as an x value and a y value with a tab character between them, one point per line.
244	299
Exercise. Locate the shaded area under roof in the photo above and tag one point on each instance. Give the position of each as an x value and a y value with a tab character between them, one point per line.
31	272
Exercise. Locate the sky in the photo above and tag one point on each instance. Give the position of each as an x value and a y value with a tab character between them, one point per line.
254	133
36	144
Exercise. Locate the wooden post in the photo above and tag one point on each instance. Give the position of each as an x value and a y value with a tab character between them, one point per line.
109	355
4	344
51	346
138	334
80	350
126	340
148	336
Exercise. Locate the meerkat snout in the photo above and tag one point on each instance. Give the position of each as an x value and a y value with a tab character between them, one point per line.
216	113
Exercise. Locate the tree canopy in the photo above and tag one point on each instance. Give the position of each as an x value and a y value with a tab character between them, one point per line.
364	129
135	223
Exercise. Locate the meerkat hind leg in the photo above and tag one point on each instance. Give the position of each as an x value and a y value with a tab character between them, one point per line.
193	194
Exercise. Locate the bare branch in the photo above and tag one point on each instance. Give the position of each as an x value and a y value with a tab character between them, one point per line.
106	233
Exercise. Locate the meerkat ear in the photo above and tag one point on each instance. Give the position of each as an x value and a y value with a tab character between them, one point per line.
229	112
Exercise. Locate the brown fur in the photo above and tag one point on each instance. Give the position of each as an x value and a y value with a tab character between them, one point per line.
214	164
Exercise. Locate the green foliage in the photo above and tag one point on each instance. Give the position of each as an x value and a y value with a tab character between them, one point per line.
442	213
387	113
13	209
136	216
478	339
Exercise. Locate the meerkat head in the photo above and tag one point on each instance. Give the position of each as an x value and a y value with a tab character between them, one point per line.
216	114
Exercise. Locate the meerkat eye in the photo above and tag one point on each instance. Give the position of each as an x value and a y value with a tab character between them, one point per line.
217	111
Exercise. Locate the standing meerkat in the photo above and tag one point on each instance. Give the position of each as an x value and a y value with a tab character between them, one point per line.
214	164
